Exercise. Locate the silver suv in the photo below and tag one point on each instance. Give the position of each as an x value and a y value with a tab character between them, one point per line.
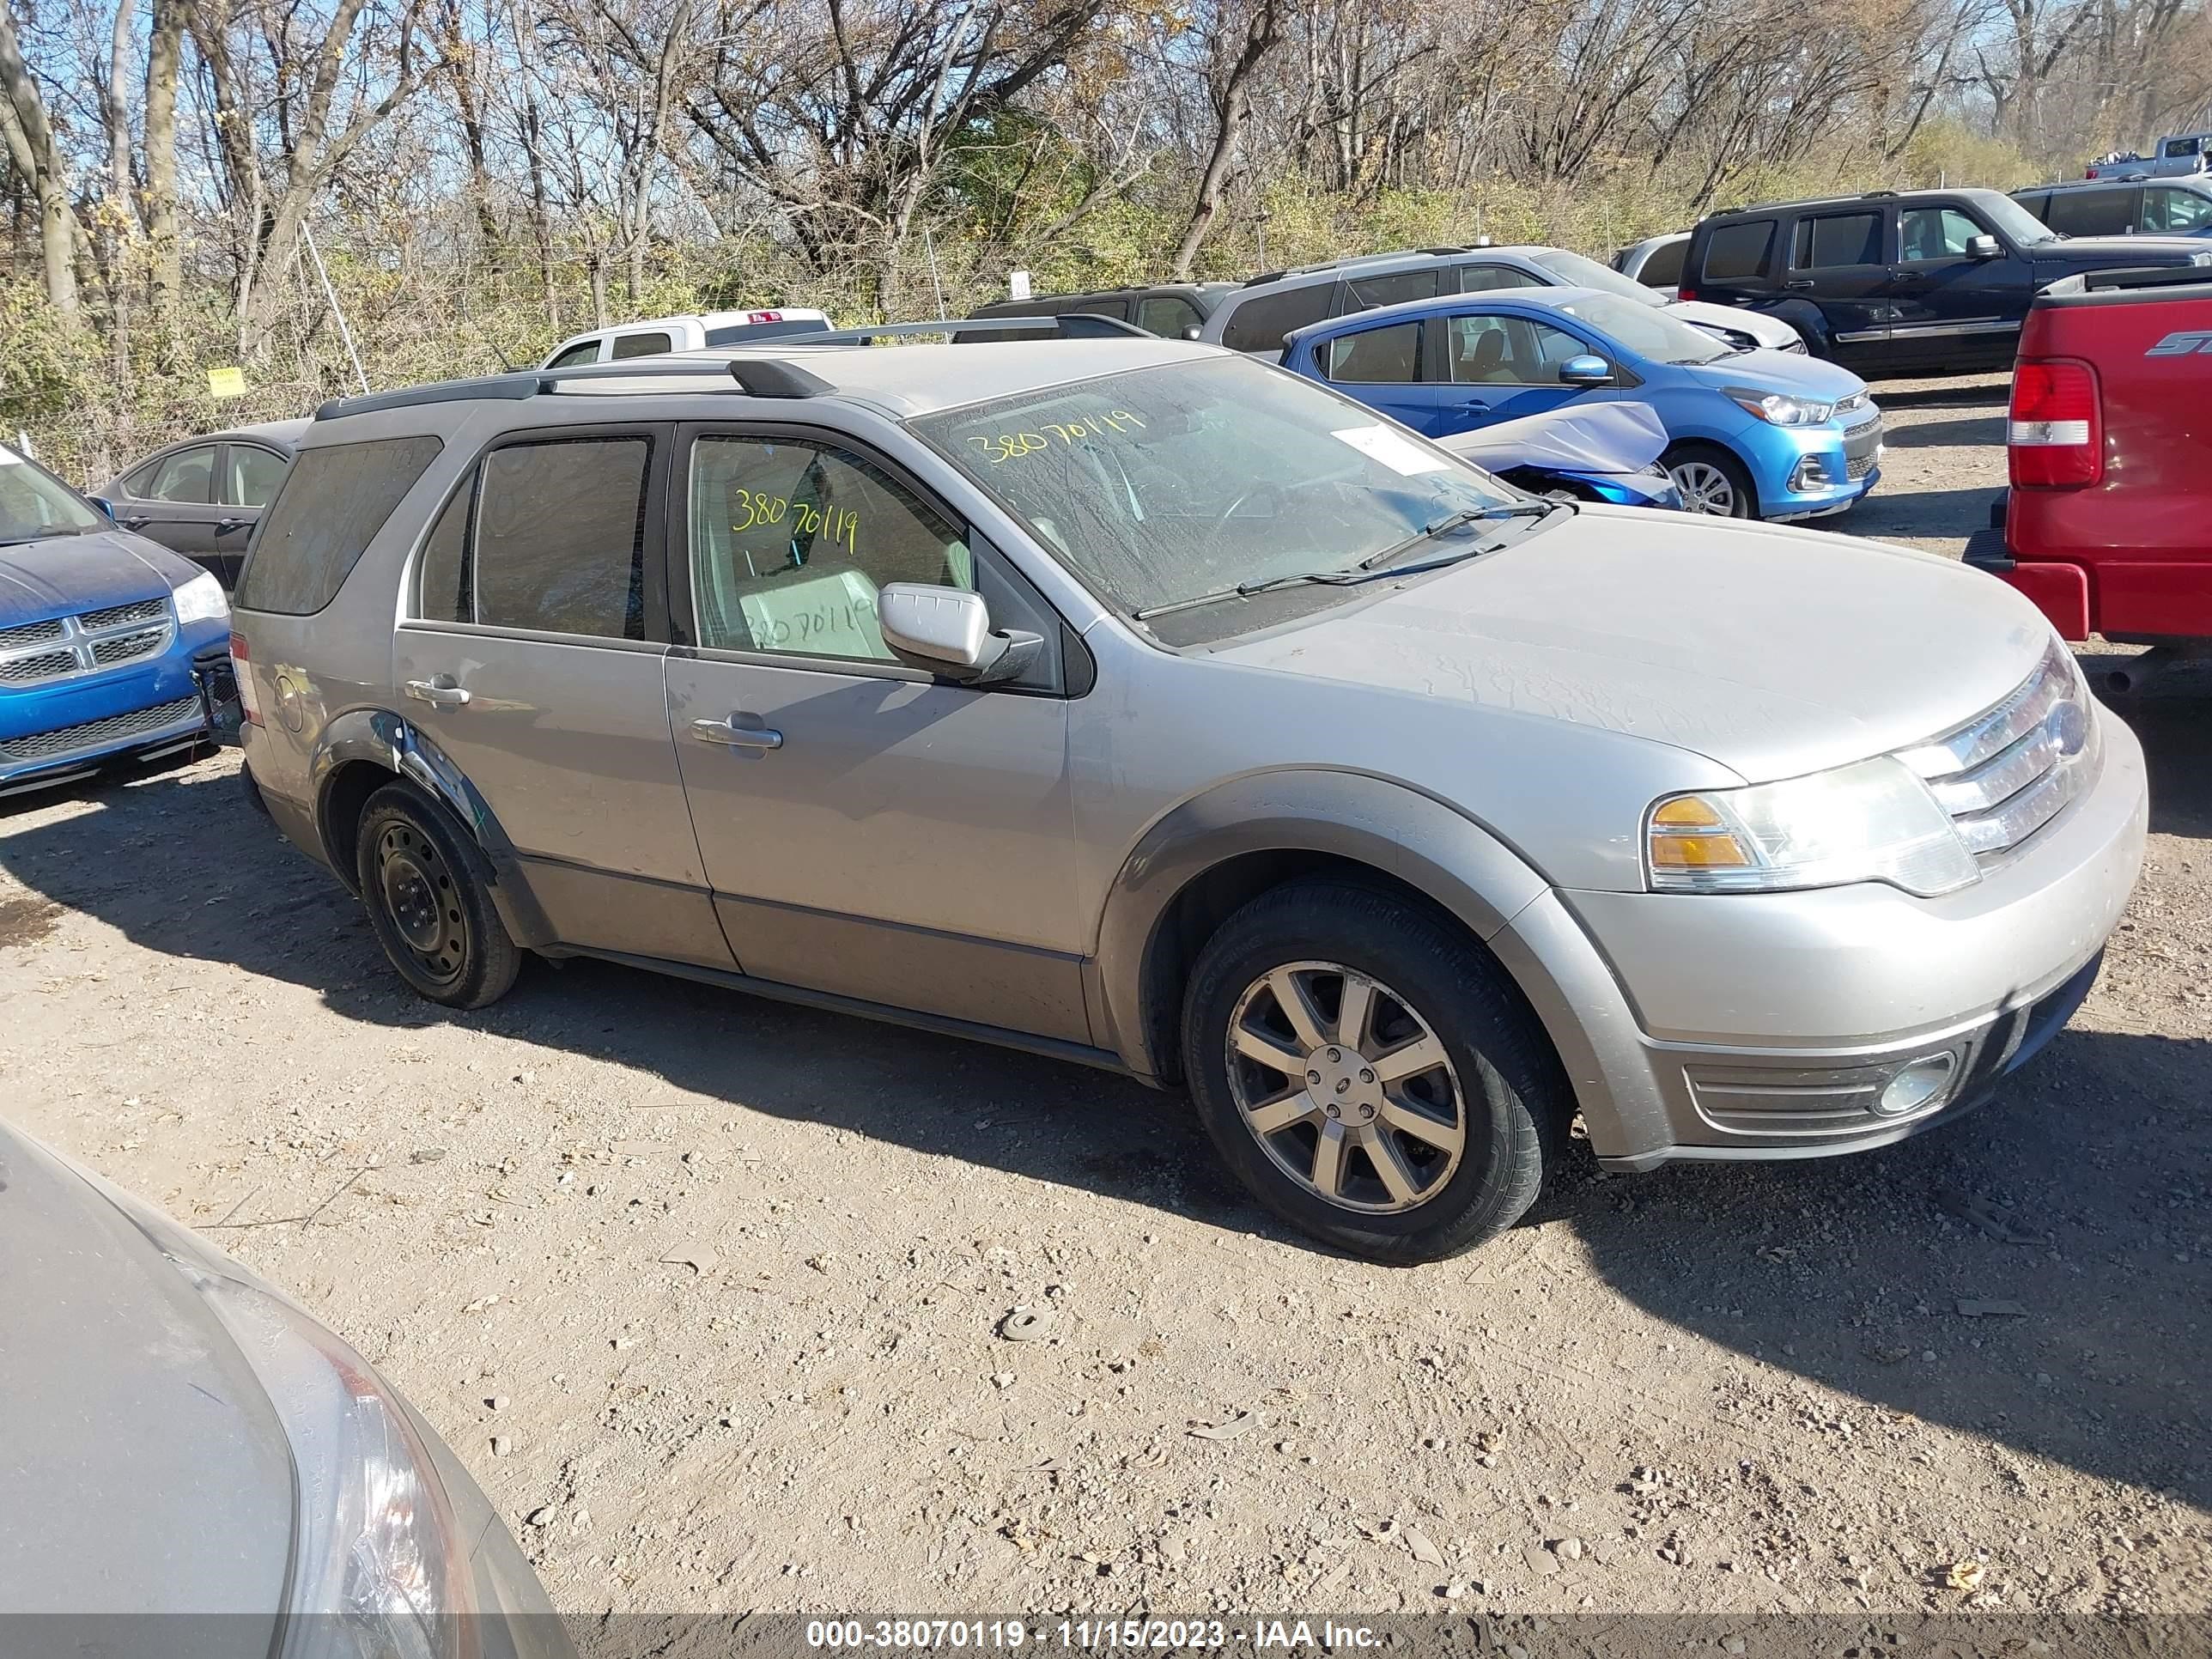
1135	702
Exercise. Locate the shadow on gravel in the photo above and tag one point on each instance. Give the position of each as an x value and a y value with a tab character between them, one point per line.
2050	1252
1964	431
1973	394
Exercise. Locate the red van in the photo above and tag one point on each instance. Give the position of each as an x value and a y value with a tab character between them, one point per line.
2108	525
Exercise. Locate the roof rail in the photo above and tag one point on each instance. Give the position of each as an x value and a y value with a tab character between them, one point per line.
1068	324
758	377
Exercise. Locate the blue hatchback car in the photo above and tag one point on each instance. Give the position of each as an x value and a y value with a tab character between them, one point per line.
111	647
1751	435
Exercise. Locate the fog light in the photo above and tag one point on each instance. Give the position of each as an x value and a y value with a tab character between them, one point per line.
1811	473
1916	1084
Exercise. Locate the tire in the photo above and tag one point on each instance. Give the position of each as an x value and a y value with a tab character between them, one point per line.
1706	472
1431	989
408	853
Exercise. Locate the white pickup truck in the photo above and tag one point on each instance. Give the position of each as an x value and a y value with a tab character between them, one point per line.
658	335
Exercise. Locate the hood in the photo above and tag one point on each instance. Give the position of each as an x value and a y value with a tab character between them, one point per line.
1596	438
1769	332
63	575
1773	652
1779	370
142	1469
2100	253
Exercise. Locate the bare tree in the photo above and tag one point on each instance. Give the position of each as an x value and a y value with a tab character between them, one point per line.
40	165
1233	63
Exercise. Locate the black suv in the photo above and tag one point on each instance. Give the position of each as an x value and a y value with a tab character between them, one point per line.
2124	207
1174	311
1921	282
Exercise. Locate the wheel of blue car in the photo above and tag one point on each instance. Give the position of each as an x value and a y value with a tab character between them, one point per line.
1711	481
429	910
1370	1073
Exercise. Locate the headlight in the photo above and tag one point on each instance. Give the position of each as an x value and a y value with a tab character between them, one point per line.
200	599
377	1566
1871	822
1780	407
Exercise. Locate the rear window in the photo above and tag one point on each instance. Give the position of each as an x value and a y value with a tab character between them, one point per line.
1663	268
1736	251
1260	323
333	502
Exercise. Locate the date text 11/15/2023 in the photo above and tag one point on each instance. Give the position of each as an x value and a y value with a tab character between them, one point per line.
1088	1635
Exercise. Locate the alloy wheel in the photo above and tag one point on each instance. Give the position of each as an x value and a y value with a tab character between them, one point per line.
1347	1087
1705	487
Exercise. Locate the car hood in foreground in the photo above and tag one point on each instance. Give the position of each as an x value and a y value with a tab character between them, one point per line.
1769	332
141	1468
61	575
1773	652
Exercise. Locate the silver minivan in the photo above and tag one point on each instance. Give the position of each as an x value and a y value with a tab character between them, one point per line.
1132	701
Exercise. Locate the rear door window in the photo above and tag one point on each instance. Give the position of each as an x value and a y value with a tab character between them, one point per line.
1366	293
1116	306
2037	201
1833	240
559	541
2092	212
1482	279
1167	315
1738	252
1260	323
642	345
187	476
334	500
1377	356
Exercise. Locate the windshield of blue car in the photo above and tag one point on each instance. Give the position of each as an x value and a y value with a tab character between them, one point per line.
1574	270
34	504
1657	336
2013	221
1161	484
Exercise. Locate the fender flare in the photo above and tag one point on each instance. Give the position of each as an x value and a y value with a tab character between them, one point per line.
1809	320
1385	825
391	742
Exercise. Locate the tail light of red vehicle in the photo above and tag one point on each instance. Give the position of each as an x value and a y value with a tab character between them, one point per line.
249	700
1686	293
2054	431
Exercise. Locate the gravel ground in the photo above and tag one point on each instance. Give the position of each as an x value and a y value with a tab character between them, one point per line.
710	1292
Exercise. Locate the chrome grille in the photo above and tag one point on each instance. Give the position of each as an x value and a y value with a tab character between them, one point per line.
2005	774
69	647
67	740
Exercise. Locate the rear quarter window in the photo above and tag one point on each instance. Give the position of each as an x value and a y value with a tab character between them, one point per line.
1260	323
333	502
1738	252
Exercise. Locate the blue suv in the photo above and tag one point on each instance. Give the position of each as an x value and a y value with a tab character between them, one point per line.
111	647
1751	434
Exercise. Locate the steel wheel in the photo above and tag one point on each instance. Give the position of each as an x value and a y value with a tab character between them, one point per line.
1705	487
417	892
1347	1087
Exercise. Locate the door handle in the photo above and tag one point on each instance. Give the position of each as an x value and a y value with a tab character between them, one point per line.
135	521
1799	282
730	735
438	693
224	526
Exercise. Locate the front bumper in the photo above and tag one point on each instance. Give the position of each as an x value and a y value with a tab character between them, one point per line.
1808	472
153	709
1766	1025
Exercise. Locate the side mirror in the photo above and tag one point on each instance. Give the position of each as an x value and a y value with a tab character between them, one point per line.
946	631
106	507
1984	247
1589	369
1191	332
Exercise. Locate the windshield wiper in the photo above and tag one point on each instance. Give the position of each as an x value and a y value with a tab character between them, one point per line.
1364	571
1459	520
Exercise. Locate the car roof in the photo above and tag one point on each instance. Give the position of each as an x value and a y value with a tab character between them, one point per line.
900	380
2195	181
1548	299
1759	208
282	434
1133	290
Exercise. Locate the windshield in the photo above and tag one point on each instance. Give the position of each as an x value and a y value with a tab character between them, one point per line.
2013	221
1655	334
1576	271
34	504
1162	485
